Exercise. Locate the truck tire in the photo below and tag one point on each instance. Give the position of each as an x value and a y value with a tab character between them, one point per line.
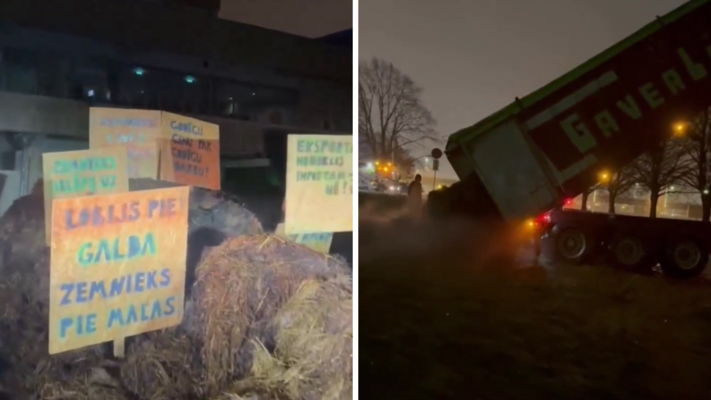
571	244
684	258
631	252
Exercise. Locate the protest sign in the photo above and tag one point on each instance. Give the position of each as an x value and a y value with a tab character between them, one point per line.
319	184
117	266
137	130
320	242
82	173
190	151
143	160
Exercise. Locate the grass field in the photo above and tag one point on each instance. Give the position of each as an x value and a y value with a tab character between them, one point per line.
446	314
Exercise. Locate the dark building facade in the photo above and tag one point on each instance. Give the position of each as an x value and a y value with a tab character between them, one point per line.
342	39
59	57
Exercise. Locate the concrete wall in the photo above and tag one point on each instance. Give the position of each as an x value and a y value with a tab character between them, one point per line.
43	115
43	144
49	116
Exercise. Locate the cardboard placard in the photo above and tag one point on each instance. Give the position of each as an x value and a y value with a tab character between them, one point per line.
117	266
320	242
82	173
190	151
319	184
143	160
137	130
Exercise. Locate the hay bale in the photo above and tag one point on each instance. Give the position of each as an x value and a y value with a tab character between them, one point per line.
24	287
272	292
314	334
163	365
273	317
77	375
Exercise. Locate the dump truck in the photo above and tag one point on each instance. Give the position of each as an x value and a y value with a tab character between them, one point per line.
527	160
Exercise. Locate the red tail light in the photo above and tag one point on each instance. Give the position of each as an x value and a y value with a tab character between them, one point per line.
543	220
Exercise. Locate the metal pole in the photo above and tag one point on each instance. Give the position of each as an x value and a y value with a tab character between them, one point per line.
665	201
434	181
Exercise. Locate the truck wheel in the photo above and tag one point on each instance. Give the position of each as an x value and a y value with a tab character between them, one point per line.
631	253
684	259
571	244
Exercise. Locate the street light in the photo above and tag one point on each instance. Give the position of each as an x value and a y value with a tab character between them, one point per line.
604	176
679	129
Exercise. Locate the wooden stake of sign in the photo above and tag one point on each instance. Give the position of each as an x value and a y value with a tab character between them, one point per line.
120	348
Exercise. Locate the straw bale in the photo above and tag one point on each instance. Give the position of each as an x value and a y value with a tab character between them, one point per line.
254	296
271	290
163	365
314	336
82	374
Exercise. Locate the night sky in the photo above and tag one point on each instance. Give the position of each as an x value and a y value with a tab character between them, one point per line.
474	57
311	18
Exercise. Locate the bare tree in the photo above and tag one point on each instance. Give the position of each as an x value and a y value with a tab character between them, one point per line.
404	160
617	183
586	195
390	111
697	152
660	168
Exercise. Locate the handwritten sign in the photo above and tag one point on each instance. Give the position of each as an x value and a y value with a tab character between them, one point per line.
190	151
117	266
137	130
82	173
320	242
143	160
319	184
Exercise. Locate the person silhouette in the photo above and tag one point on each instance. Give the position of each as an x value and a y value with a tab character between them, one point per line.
414	193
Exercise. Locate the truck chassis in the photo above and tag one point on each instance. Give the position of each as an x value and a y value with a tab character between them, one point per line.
637	244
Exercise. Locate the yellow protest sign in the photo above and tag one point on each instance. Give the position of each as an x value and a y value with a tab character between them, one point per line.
320	242
117	266
190	151
82	173
137	130
319	184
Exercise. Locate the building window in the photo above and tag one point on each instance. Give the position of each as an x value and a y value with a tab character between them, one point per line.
89	84
255	103
100	81
183	93
135	87
33	72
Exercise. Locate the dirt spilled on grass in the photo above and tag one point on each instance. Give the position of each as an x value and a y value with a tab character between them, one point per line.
448	312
